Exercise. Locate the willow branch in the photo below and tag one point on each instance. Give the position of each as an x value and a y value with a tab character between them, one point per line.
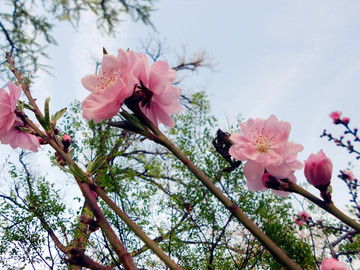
115	242
136	229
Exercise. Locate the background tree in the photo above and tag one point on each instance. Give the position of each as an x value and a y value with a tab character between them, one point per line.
157	192
26	26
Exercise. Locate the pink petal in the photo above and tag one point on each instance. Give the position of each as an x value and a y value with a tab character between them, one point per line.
253	170
280	193
280	172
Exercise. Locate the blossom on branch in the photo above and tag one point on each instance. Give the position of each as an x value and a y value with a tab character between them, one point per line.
348	175
332	264
335	115
10	123
129	75
161	97
16	137
8	106
114	83
264	145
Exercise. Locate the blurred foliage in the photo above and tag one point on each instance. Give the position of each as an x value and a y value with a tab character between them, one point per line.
26	25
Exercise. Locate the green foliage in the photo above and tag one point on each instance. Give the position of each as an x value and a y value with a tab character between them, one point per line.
167	201
27	25
29	208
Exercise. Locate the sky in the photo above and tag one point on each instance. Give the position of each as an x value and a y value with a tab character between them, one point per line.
298	60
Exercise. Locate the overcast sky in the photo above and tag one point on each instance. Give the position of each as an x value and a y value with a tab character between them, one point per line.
299	60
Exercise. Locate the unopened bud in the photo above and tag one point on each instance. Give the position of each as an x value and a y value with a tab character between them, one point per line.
270	181
318	170
66	140
336	117
345	120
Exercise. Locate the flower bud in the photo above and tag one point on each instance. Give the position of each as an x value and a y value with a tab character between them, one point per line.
318	170
332	264
345	120
66	140
270	181
336	117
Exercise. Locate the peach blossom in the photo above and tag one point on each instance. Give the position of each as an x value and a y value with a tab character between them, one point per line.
264	146
8	106
164	98
332	264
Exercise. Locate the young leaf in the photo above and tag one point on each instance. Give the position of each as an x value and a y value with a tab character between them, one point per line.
132	119
61	167
47	115
78	172
96	164
58	115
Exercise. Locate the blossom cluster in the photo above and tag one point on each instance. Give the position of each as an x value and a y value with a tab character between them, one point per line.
337	120
10	123
129	74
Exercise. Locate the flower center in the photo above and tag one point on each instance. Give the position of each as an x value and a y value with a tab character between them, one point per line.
106	80
262	141
262	146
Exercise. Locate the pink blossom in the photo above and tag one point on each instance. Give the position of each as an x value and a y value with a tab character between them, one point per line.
332	264
264	145
345	120
318	170
349	175
157	82
115	82
8	106
302	218
9	122
336	117
18	138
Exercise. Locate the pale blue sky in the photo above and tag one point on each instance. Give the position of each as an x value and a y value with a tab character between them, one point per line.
299	60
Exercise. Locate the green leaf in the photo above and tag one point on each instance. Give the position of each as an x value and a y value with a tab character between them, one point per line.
61	167
58	115
133	120
96	164
20	105
47	115
28	106
78	172
128	126
25	129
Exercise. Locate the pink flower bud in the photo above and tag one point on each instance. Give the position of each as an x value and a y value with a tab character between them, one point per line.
345	120
318	170
270	181
336	117
332	264
348	175
66	140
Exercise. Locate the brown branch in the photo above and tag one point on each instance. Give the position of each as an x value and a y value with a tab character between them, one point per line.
78	257
115	242
117	245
